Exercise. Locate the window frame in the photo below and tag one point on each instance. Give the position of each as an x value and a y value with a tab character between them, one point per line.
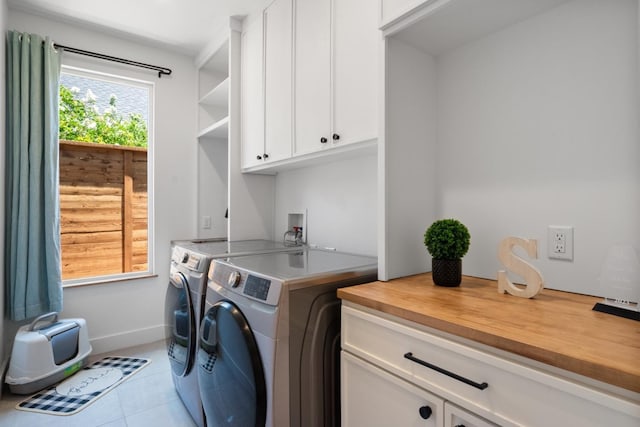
151	86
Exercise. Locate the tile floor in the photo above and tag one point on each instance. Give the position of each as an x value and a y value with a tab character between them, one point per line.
147	399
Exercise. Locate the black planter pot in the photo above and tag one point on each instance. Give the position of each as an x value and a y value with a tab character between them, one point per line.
447	272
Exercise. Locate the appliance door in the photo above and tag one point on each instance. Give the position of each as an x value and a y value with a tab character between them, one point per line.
230	372
180	328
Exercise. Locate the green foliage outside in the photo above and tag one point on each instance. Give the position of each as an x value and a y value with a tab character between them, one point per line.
81	120
447	239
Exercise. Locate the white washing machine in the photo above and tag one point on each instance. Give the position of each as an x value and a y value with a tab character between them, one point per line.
184	305
269	341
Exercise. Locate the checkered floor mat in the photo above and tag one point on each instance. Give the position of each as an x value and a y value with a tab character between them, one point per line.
48	401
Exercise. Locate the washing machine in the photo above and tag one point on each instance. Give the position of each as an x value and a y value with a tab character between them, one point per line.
269	341
184	305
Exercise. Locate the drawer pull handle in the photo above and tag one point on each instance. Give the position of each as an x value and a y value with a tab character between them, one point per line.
480	386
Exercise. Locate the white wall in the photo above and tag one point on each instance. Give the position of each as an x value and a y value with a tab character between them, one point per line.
212	184
131	312
538	125
340	198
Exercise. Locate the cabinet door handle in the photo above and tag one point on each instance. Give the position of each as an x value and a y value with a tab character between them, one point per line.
323	140
266	156
459	425
425	412
480	386
335	137
259	157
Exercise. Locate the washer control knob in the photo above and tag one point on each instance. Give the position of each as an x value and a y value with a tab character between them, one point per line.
234	279
185	257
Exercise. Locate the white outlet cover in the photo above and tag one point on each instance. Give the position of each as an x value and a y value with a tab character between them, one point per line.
552	233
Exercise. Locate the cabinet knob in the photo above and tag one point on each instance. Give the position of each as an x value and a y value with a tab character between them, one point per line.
259	157
425	412
323	140
335	137
266	156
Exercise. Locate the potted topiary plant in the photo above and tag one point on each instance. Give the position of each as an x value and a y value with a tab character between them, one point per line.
447	240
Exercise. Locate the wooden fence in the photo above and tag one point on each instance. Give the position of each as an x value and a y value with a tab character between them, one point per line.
103	209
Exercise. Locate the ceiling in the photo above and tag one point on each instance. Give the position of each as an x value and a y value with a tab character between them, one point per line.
184	25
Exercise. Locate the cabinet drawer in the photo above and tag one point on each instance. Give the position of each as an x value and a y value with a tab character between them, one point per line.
458	417
372	398
515	394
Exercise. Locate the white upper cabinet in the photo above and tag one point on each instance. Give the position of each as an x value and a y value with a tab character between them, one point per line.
267	86
251	98
336	73
312	55
357	42
393	9
309	82
277	80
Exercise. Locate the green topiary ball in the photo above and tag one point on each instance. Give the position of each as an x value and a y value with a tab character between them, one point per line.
447	239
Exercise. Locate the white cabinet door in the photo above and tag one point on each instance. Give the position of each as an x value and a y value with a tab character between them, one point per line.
336	73
372	397
356	46
252	100
312	55
458	417
278	84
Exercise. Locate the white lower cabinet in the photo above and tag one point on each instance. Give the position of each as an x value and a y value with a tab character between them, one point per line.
458	417
392	367
378	399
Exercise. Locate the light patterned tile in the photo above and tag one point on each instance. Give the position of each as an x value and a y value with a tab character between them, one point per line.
118	423
139	394
172	414
152	386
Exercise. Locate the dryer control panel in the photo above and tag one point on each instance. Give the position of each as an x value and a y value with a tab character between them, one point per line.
249	284
257	287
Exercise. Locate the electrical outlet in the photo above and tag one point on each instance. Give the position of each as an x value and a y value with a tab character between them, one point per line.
560	242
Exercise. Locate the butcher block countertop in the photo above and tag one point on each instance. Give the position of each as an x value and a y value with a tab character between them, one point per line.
556	328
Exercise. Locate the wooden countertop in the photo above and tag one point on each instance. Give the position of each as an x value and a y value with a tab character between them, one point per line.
556	328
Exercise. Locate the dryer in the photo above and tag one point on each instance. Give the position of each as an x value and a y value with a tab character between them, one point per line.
269	341
184	305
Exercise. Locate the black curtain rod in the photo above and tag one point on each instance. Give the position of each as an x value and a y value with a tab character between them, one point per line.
160	70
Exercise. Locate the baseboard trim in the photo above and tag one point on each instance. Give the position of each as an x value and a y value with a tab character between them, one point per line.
126	339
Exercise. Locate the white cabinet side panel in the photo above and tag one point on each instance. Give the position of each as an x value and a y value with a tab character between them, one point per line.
409	158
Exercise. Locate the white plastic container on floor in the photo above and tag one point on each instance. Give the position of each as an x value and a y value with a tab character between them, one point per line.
46	352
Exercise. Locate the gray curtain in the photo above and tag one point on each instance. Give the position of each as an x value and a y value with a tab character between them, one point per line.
33	283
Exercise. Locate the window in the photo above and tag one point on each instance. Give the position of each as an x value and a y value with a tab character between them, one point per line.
105	169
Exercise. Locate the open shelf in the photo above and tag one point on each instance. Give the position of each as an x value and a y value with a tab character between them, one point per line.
219	129
218	96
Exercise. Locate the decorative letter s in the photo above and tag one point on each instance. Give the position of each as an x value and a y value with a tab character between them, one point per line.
532	276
